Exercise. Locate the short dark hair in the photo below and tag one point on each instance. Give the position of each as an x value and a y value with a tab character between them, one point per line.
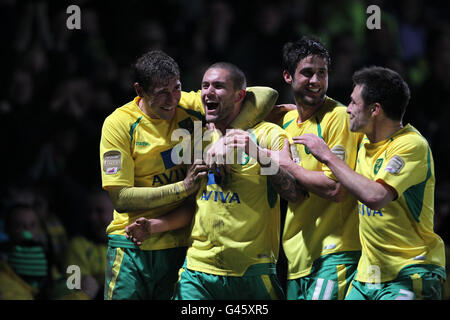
236	74
294	52
155	68
386	87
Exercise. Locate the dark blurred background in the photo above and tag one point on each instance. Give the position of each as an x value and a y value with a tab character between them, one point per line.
58	85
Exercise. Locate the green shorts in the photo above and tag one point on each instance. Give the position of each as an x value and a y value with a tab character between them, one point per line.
135	274
421	285
258	283
329	279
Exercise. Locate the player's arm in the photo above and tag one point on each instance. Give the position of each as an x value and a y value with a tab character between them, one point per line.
257	104
278	112
322	181
312	181
315	181
178	218
282	181
118	171
374	194
136	199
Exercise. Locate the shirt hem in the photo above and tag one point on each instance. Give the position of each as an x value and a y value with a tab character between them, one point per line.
119	241
256	269
406	271
335	258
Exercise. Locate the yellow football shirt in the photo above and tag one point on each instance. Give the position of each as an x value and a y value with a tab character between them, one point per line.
401	234
237	222
317	226
135	151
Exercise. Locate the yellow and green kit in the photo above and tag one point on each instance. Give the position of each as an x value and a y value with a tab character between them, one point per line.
236	231
136	151
399	244
318	227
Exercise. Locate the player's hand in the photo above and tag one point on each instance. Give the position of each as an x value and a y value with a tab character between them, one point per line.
315	145
210	126
139	230
283	157
240	139
216	157
278	111
196	172
285	107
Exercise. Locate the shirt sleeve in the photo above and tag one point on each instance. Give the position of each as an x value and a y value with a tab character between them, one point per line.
341	141
277	139
116	161
407	163
273	138
256	106
192	101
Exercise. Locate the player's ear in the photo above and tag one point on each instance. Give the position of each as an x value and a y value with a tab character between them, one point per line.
375	109
139	91
287	77
240	95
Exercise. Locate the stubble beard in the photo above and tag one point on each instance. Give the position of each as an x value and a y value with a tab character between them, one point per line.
307	102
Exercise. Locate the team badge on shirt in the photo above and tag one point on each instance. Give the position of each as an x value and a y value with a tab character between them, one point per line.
395	165
112	162
378	165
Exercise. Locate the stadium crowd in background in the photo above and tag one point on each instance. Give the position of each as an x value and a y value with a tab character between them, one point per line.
58	85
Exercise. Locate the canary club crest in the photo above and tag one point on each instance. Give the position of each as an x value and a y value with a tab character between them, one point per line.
378	165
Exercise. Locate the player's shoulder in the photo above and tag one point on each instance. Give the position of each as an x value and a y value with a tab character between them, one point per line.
265	126
410	139
269	135
289	118
333	108
268	131
411	135
125	111
124	116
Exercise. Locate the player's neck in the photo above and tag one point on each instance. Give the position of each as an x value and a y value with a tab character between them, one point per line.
221	127
306	111
383	131
143	105
225	124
